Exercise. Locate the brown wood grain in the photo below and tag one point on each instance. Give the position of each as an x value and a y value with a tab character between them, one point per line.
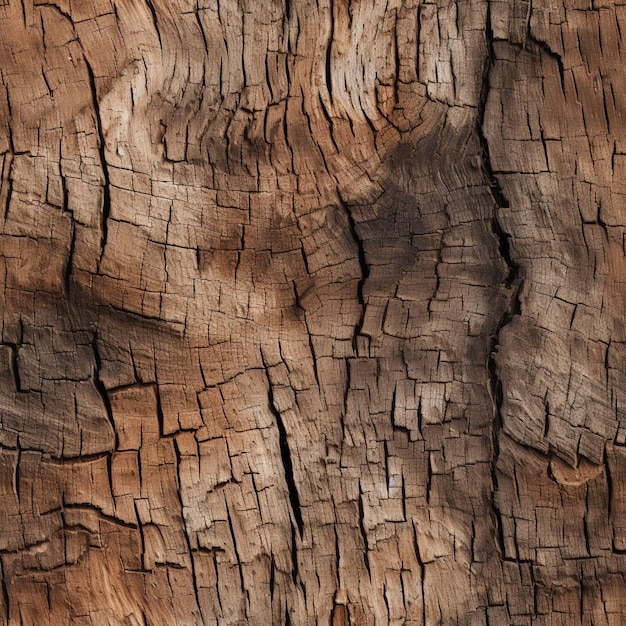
312	312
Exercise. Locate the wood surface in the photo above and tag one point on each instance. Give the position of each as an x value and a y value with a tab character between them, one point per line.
313	312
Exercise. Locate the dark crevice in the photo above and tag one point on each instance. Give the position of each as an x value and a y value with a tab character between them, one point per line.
17	473
386	601
159	408
109	461
546	423
329	49
586	530
343	416
64	188
397	428
106	188
58	9
429	477
194	577
100	387
67	274
420	417
294	556
313	358
272	575
236	550
142	538
15	367
7	166
505	251
99	512
365	271
512	282
386	457
422	569
285	454
337	557
498	399
608	473
201	29
217	580
14	348
438	264
542	46
155	20
363	532
5	592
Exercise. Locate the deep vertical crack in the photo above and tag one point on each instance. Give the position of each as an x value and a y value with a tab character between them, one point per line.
155	21
366	547
67	273
106	189
329	49
7	180
285	455
192	563
101	388
512	281
365	272
235	548
14	348
422	571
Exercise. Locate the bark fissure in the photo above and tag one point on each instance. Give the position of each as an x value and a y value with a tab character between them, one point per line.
5	592
363	531
187	538
155	20
99	385
7	180
285	455
67	275
93	508
365	272
235	549
271	291
512	283
422	571
106	189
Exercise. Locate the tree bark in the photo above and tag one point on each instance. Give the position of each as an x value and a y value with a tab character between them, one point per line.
312	312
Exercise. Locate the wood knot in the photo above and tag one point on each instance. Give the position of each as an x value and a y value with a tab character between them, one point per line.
569	476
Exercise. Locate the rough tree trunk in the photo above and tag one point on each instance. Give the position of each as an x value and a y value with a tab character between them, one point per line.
312	312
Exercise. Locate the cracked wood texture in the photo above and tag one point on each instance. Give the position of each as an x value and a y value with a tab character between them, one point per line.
312	312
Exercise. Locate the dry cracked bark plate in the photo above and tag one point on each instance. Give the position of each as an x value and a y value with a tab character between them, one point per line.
312	312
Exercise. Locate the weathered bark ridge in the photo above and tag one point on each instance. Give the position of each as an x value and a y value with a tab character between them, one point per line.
312	312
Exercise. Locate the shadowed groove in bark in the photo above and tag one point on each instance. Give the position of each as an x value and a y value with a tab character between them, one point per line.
363	531
100	388
285	455
67	274
14	363
422	571
7	166
512	281
5	591
235	548
469	486
192	563
365	272
155	20
106	191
